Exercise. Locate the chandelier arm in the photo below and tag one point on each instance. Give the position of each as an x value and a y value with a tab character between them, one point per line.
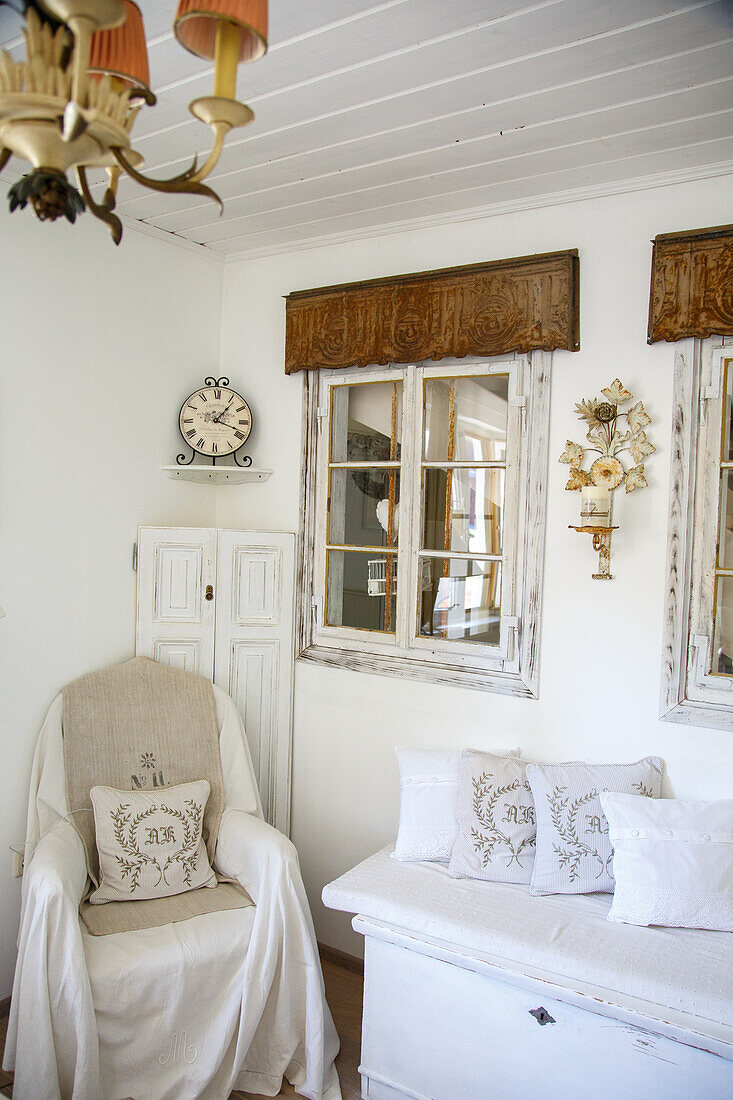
103	210
221	129
183	184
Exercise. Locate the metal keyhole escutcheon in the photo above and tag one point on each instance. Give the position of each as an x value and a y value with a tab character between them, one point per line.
209	592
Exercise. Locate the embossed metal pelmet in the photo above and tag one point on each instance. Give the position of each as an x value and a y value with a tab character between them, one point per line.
517	305
692	285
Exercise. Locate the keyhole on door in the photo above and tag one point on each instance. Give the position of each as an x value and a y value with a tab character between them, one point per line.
542	1016
209	592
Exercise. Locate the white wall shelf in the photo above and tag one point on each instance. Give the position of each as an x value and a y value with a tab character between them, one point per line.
217	475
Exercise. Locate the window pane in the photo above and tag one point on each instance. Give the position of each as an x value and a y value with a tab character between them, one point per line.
725	531
360	591
460	600
362	505
366	422
463	510
727	448
465	419
723	634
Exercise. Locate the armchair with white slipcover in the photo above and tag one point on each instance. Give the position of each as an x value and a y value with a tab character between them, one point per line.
222	1001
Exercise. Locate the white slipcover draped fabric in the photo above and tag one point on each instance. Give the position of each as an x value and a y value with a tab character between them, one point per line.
190	1010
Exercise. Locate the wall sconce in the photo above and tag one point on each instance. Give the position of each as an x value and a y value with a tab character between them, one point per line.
611	432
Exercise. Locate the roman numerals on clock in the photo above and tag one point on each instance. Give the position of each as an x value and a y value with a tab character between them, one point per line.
215	420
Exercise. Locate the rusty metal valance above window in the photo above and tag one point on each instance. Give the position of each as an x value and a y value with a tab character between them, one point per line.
524	304
692	285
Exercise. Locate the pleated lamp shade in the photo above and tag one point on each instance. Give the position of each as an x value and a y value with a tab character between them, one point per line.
122	53
197	21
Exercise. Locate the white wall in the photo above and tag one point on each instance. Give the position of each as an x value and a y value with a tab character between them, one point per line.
601	642
99	347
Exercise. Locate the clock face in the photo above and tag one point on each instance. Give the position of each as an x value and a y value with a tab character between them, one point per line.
215	421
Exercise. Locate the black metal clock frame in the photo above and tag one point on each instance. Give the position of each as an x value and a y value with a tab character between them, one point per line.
181	459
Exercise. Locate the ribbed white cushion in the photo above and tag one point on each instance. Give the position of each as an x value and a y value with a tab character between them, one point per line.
429	785
573	853
673	861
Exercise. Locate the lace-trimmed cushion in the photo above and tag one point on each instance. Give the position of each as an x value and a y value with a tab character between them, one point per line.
574	853
149	842
673	861
496	820
429	785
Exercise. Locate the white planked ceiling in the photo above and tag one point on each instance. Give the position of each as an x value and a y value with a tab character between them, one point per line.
376	114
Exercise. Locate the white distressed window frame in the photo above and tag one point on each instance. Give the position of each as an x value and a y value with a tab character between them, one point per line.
689	693
514	669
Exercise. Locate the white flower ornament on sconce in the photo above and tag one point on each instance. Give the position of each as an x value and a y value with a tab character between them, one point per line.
612	432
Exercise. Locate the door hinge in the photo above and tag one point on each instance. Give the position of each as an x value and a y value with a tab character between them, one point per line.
317	611
701	643
134	557
520	402
509	636
321	414
712	392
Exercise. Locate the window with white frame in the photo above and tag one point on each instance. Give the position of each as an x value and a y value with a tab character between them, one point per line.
697	673
424	519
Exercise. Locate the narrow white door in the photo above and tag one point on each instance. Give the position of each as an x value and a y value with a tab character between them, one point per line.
175	597
254	652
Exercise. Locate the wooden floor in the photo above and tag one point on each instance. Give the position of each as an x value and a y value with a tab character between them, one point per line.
344	988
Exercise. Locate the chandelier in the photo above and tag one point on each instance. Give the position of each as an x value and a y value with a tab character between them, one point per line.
72	104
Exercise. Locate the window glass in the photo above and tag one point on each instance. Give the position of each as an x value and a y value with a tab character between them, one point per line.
463	509
725	532
460	600
721	653
366	422
465	419
361	590
722	656
727	426
364	507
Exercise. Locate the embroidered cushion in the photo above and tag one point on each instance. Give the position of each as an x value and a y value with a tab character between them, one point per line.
673	861
149	842
496	819
573	853
429	784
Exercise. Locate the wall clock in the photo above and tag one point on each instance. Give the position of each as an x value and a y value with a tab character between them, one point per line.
215	421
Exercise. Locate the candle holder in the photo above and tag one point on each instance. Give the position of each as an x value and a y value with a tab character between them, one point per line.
601	543
611	432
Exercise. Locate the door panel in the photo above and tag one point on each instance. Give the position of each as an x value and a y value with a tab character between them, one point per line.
175	621
254	653
253	679
256	589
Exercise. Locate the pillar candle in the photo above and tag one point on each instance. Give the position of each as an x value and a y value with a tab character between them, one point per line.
595	506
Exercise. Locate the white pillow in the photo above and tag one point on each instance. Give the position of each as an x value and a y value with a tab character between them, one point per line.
496	820
149	842
673	861
429	785
573	853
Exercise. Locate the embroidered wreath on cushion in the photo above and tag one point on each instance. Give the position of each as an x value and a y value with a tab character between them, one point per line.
135	858
573	851
485	801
